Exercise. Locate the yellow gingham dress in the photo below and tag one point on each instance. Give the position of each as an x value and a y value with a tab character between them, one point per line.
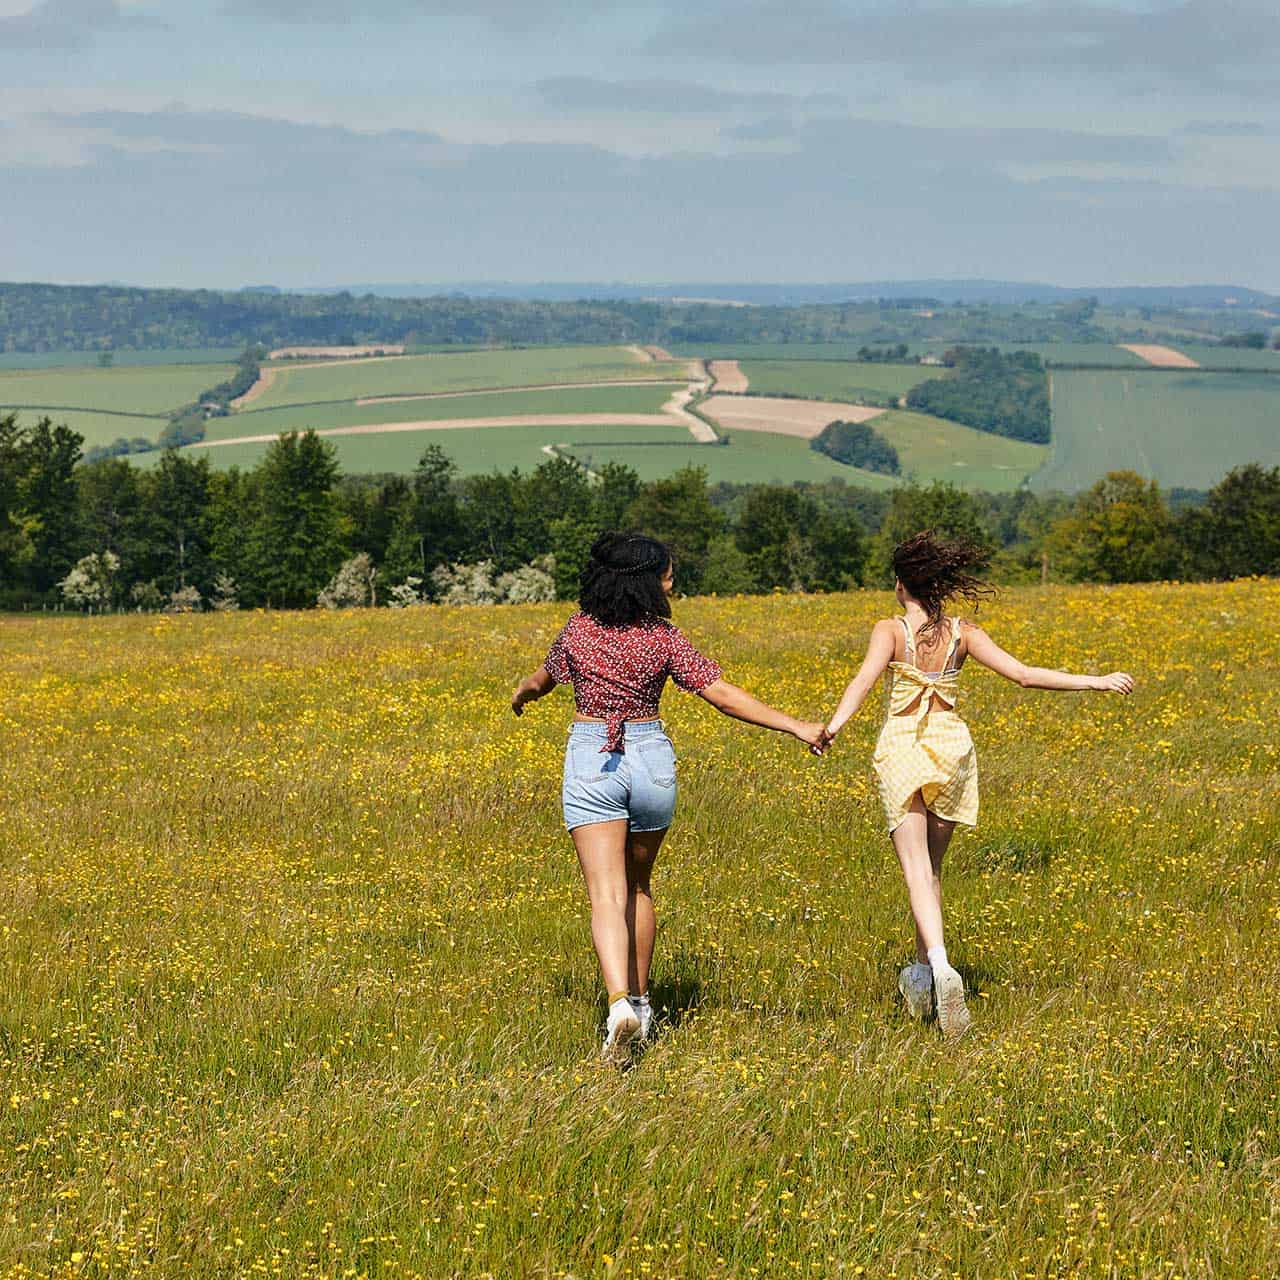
928	749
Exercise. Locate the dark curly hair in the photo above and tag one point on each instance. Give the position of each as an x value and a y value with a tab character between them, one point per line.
622	581
935	570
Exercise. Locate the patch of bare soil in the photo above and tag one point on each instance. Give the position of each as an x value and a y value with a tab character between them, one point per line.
729	376
803	418
1160	357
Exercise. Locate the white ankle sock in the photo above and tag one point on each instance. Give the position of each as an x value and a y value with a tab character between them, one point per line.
938	958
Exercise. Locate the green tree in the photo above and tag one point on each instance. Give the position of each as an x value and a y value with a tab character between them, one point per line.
113	515
773	532
678	510
839	550
617	487
1118	531
297	542
941	507
427	525
1237	532
180	499
44	502
728	570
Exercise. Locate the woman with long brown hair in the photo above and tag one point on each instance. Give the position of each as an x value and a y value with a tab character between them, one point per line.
924	758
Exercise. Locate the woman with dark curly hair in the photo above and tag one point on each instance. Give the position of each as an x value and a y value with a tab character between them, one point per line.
924	758
619	789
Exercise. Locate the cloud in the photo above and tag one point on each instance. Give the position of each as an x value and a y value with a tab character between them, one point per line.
67	24
671	97
1201	42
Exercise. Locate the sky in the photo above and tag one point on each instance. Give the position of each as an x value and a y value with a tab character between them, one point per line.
223	143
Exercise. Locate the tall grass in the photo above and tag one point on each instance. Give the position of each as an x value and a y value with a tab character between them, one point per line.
297	979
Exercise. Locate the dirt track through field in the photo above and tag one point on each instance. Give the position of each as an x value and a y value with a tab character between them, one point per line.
782	417
1160	357
502	391
453	424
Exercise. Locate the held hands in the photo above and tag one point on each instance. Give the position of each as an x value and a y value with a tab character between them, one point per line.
813	735
1116	682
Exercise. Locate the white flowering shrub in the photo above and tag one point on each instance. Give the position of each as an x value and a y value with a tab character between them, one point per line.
407	595
353	586
226	595
184	600
530	584
465	583
89	584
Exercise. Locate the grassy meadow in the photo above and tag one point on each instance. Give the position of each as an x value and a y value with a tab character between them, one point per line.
1178	427
298	979
836	380
97	397
303	382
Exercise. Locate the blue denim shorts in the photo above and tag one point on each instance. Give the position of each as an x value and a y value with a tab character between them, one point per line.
638	784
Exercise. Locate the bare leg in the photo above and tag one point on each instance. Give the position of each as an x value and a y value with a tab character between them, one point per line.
602	855
911	841
642	852
939	832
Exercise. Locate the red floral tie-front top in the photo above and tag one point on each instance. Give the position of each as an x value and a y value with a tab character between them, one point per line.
618	673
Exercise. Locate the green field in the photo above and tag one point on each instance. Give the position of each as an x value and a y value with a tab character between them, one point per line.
402	375
298	978
96	428
568	400
153	390
1180	428
751	457
932	448
1230	357
476	450
836	380
164	355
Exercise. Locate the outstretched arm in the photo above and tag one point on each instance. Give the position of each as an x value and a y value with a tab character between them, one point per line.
879	655
738	703
984	649
531	688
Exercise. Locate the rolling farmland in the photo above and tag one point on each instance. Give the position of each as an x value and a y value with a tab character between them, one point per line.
932	448
467	371
89	399
836	379
1180	428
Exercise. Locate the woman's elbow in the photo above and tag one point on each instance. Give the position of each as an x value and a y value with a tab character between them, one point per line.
1026	677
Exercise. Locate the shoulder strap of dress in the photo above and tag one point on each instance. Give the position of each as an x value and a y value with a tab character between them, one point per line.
911	646
955	643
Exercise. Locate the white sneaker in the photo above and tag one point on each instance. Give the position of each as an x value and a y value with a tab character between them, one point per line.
619	1030
915	983
643	1010
953	1014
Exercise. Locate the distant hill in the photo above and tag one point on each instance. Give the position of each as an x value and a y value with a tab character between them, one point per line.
1007	292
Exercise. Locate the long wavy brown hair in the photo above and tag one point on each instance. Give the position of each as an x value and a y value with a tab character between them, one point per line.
935	570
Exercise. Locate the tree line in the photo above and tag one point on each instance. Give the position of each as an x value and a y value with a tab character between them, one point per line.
293	531
45	317
1004	393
